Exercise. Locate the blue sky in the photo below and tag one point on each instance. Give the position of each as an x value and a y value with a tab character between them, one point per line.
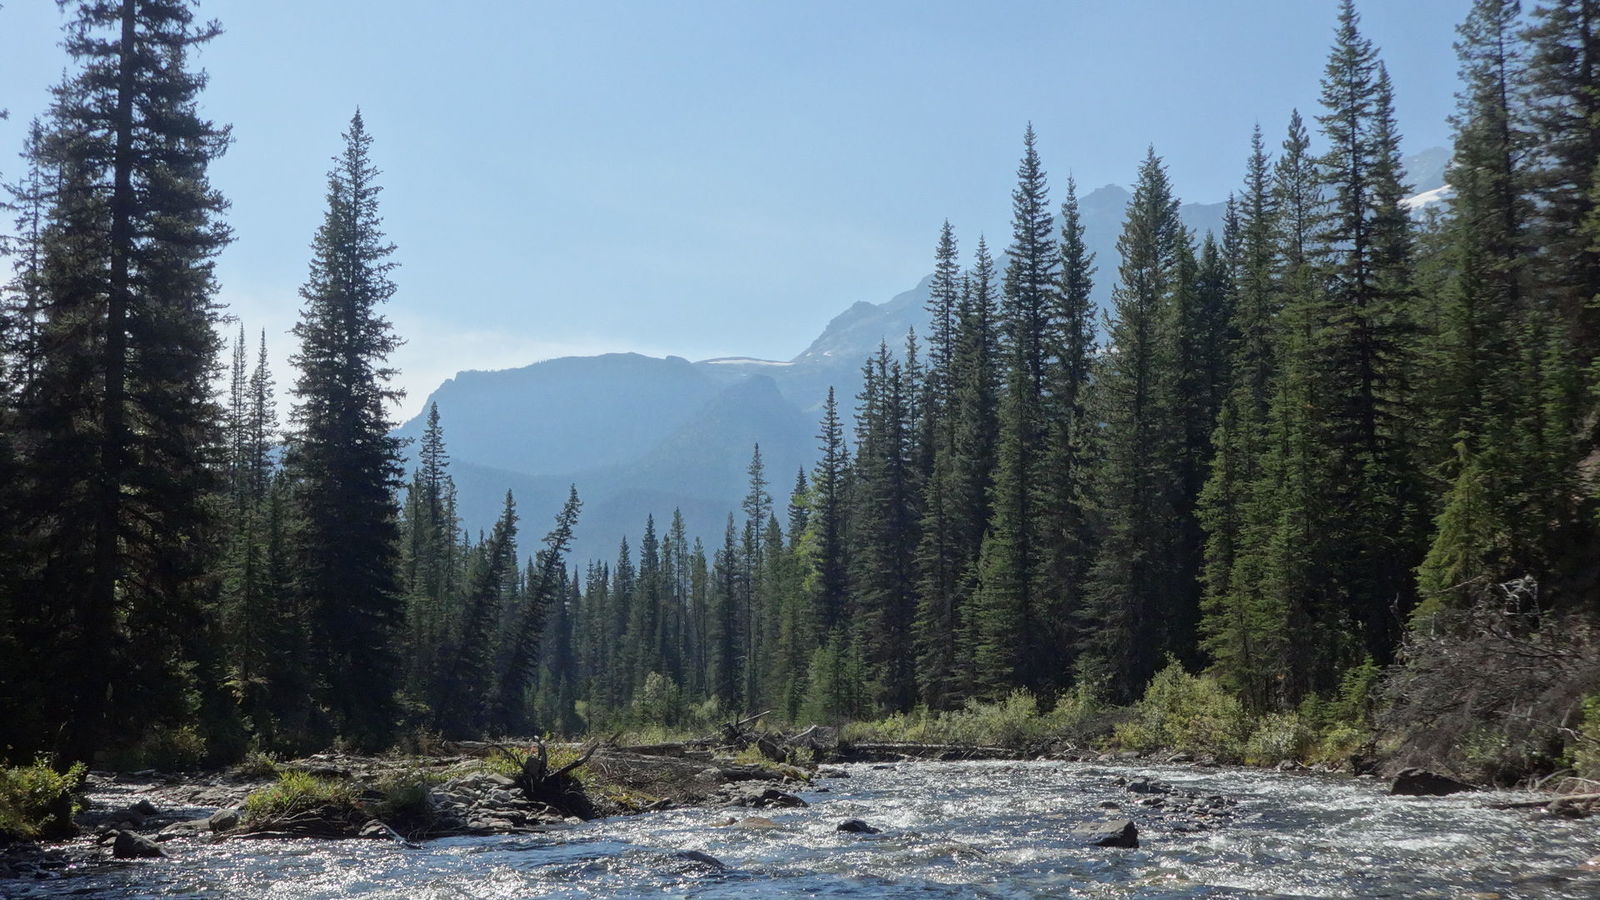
713	178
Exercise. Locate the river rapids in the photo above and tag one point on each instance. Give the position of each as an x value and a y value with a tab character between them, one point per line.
981	829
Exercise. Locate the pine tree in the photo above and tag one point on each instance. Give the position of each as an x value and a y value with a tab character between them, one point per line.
1138	589
115	418
524	631
1067	530
462	692
341	459
1563	68
1237	629
1006	612
883	532
1365	344
830	562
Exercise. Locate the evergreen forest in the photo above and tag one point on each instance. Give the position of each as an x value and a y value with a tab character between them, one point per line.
1338	463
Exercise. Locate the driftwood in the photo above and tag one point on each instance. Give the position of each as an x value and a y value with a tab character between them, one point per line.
557	789
1548	801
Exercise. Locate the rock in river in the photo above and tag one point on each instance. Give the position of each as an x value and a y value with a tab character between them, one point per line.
856	826
133	846
1112	833
1422	783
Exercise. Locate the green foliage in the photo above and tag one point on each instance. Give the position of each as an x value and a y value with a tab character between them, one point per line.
1586	744
1192	713
1277	737
297	792
1015	721
36	801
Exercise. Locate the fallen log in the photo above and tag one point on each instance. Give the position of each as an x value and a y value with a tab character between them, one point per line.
1558	798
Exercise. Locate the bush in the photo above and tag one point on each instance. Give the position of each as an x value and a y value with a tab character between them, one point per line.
1192	713
1015	722
403	797
1278	737
38	802
296	793
1586	744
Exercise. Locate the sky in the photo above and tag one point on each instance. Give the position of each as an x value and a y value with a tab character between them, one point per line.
712	178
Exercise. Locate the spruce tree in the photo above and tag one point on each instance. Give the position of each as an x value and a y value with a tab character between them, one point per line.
1138	586
342	461
115	421
1067	530
1006	611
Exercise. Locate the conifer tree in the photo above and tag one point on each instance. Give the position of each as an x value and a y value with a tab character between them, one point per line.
1365	345
342	462
1067	529
1137	590
1005	604
524	631
115	420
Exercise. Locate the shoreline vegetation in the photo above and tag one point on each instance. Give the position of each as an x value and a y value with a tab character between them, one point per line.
429	788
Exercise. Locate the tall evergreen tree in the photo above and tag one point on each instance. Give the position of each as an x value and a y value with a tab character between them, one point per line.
342	461
115	414
1138	589
1006	604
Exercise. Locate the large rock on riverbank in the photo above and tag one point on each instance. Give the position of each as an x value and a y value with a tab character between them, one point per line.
1416	782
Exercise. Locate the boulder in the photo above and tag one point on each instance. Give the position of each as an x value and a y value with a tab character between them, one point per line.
1111	833
856	826
225	819
128	845
700	860
144	808
1422	783
191	828
770	798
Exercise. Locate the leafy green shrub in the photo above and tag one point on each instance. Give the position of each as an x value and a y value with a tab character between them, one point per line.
1015	721
295	793
257	765
1193	713
1586	744
1278	737
403	796
37	801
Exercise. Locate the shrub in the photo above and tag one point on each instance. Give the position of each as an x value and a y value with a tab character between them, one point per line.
403	796
1586	743
295	793
1193	713
1278	737
37	801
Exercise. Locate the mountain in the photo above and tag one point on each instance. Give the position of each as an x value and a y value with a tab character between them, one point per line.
639	435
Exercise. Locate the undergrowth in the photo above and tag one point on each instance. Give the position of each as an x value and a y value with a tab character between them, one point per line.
36	801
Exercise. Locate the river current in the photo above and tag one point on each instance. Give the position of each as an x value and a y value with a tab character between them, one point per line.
983	829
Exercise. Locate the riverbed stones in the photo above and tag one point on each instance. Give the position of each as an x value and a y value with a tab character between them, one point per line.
856	826
128	845
1110	833
225	819
1416	782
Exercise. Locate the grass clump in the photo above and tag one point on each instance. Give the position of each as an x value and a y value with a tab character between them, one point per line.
36	801
297	794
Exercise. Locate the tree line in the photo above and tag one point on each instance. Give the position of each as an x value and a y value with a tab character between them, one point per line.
1286	446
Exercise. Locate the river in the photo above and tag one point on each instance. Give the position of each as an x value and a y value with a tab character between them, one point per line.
991	829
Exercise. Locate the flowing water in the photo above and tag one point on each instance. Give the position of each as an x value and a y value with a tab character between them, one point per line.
992	829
